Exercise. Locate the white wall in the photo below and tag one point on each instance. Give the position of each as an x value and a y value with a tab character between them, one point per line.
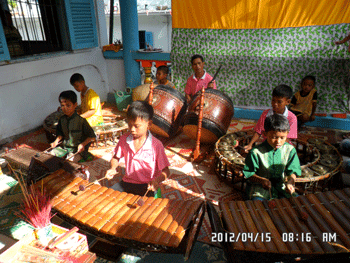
29	90
160	24
29	87
115	72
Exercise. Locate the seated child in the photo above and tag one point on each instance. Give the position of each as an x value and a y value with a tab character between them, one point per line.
74	130
90	101
146	164
304	102
280	99
199	79
162	74
274	164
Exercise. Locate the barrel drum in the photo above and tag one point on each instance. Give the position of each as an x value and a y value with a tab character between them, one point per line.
217	114
169	107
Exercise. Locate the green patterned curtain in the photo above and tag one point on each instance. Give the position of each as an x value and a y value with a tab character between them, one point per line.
256	60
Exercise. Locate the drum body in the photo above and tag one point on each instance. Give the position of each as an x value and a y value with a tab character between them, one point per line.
169	107
217	114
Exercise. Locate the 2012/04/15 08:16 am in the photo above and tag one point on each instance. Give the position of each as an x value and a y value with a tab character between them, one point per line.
266	237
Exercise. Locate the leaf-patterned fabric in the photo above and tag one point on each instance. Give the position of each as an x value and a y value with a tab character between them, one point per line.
256	60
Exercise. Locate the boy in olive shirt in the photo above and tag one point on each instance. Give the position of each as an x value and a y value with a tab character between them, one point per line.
74	131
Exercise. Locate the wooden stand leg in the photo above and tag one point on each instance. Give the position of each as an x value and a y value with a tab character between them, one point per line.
199	129
150	96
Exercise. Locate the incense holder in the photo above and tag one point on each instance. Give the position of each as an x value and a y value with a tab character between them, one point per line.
44	234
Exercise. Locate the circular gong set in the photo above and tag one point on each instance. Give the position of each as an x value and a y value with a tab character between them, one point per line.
106	134
319	160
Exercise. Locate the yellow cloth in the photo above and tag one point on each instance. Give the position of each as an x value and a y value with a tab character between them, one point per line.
304	104
251	14
91	101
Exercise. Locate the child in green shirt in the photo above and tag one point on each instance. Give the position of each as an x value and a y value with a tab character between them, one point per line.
272	166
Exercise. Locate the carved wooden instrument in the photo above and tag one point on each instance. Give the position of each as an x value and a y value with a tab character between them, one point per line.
158	225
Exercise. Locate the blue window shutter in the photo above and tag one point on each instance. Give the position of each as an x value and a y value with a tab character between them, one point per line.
81	23
4	52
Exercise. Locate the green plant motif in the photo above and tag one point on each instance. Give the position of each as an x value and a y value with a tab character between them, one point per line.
12	4
257	60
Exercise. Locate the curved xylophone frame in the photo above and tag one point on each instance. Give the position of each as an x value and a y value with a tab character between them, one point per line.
319	181
313	226
159	225
110	132
229	169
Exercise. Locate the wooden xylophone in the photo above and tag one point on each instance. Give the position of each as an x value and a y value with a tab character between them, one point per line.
309	226
159	225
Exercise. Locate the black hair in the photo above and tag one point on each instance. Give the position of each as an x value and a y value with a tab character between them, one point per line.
282	91
68	95
195	57
276	122
76	77
139	109
309	77
163	69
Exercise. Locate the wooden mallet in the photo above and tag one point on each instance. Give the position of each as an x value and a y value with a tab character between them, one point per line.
139	200
84	187
271	203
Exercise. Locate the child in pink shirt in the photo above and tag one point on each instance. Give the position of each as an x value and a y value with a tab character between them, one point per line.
281	97
146	164
199	78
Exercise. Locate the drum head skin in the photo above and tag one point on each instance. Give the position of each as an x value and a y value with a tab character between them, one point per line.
169	109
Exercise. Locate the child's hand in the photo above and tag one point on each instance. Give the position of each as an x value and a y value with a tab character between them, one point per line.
54	144
247	148
211	85
290	188
155	184
80	148
110	173
266	183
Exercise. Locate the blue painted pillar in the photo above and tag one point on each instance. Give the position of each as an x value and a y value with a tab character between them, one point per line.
130	33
